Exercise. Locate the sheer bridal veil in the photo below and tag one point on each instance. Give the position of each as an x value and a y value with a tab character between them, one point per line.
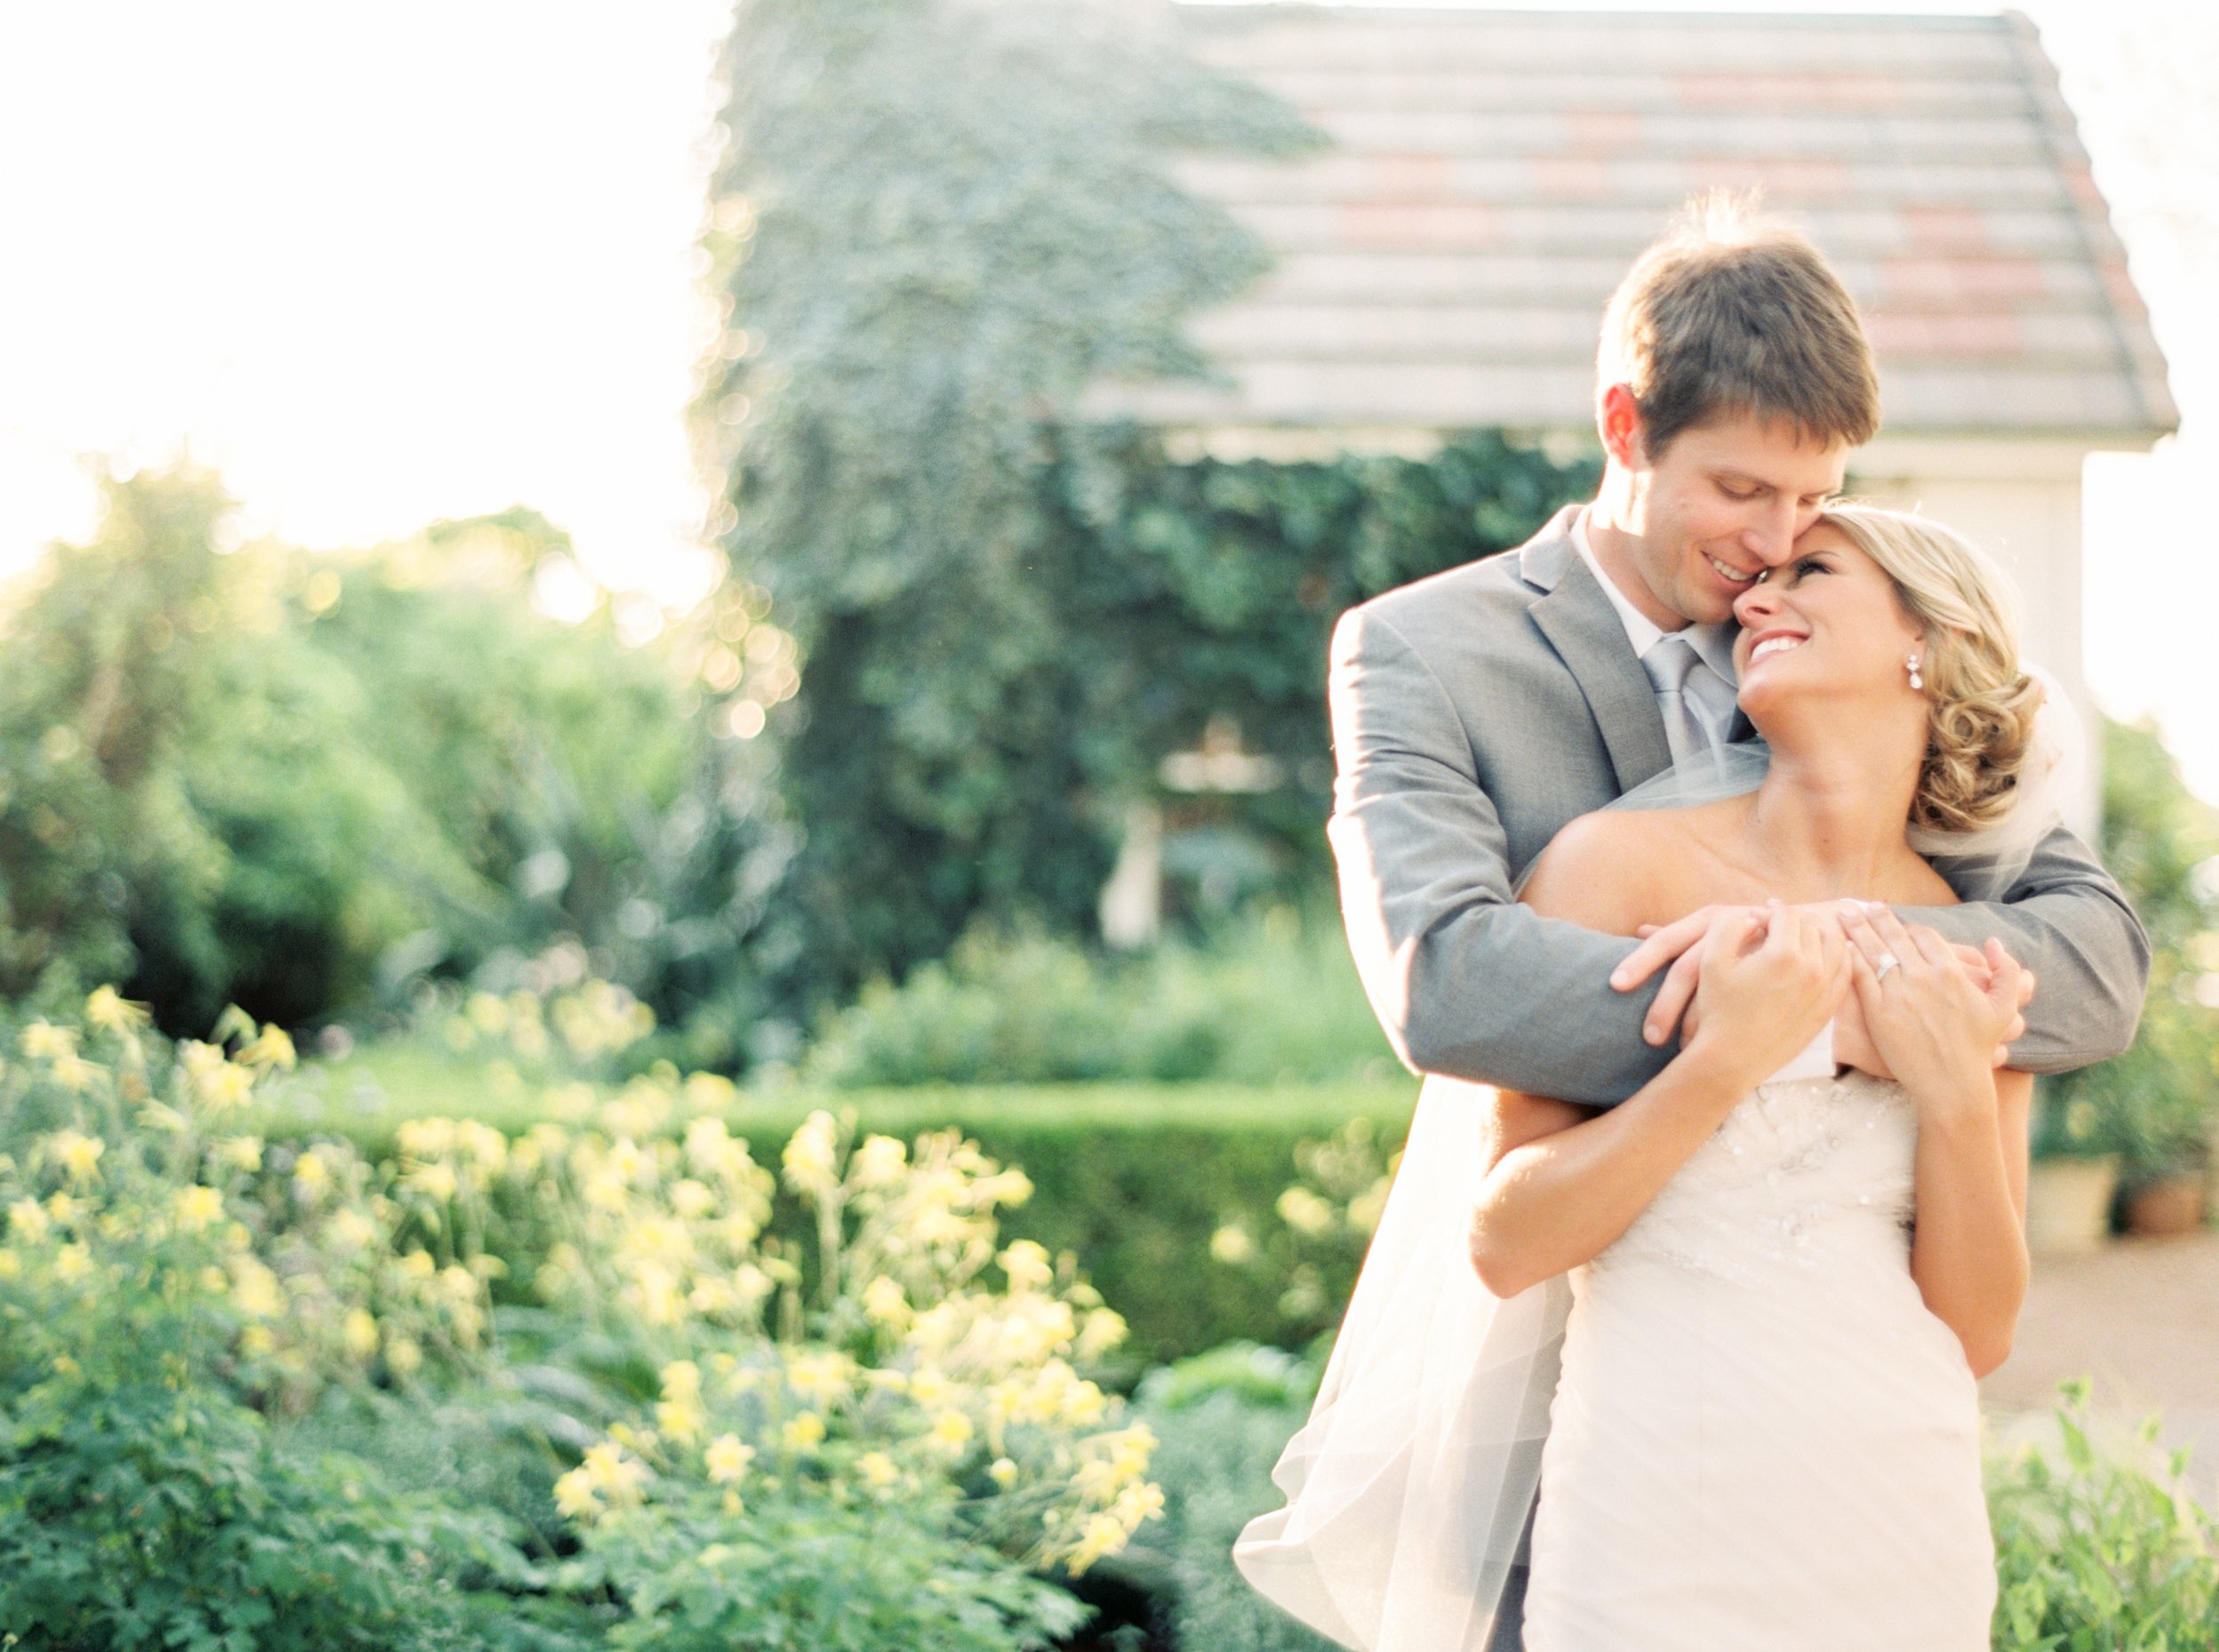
1409	1487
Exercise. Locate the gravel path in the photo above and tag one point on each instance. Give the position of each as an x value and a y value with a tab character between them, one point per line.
2140	1318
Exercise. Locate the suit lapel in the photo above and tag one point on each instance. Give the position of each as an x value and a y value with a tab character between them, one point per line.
1584	630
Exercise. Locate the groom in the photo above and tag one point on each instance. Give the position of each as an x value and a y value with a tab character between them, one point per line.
1474	713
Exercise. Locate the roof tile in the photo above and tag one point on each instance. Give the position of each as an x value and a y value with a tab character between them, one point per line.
1494	173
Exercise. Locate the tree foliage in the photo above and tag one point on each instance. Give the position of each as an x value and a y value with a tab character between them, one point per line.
937	223
292	781
2156	1105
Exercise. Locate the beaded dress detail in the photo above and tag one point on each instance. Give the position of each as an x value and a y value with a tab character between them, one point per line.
1762	1438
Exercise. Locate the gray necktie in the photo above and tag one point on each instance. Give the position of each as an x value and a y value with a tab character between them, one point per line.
1688	693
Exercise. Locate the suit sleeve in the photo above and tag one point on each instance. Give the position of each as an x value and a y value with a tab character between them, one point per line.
1465	982
2068	921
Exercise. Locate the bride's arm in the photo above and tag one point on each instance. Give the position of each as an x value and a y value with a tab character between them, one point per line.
1564	1182
1968	1242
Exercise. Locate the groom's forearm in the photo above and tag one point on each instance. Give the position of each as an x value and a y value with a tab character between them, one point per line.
2068	921
1495	994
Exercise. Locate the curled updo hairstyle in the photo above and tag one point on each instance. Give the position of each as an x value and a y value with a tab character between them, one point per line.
1980	721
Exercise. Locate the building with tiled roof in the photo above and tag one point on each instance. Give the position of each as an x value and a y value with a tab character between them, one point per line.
1492	174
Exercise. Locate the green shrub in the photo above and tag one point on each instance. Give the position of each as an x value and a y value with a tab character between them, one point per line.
2095	1553
1221	1419
2156	1106
831	1576
168	1515
1273	1000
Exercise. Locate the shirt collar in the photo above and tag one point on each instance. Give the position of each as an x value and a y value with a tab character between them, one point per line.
1713	643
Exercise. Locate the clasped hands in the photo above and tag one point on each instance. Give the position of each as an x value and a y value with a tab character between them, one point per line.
1943	991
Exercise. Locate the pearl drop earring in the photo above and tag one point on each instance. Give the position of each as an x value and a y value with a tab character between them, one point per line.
1910	664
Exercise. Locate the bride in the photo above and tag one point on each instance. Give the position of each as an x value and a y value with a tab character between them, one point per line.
1731	1327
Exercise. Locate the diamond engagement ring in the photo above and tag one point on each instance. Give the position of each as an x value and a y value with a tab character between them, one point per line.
1888	961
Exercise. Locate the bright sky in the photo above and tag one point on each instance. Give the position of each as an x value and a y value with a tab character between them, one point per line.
384	264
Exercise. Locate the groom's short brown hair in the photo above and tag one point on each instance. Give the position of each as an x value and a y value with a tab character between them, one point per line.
1731	313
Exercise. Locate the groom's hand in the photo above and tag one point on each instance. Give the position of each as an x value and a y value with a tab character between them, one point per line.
1679	944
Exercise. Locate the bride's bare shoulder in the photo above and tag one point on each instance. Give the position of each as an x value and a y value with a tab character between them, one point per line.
1619	868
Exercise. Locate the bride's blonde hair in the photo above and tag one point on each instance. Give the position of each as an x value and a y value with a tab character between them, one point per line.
1981	702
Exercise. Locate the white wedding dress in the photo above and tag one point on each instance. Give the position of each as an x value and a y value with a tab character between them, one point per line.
1761	1437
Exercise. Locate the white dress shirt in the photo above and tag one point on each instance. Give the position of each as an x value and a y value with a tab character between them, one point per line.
1713	643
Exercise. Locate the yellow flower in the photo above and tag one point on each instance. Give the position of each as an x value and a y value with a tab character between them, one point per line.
427	1138
811	1156
951	1431
360	1333
821	1379
1002	1472
403	1357
803	1433
310	1174
689	1198
256	1288
77	1153
198	1207
271	1048
482	1143
241	1152
72	1263
111	1012
612	1474
256	1341
878	1470
574	1495
29	1220
1231	1244
1305	1212
417	1264
225	1088
351	1230
436	1181
883	1303
1026	1266
10	1264
1104	1329
73	1072
43	1042
879	1162
682	1381
1105	1534
728	1459
709	1092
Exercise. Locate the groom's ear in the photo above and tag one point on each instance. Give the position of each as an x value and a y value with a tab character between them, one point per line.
1618	422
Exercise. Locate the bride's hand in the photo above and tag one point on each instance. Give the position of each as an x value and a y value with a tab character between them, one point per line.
1771	977
1936	1026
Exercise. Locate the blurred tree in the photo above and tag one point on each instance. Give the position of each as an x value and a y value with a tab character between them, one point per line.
936	222
188	804
2157	1104
294	782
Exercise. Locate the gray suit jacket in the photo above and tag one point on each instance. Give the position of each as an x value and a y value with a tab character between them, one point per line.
1474	713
